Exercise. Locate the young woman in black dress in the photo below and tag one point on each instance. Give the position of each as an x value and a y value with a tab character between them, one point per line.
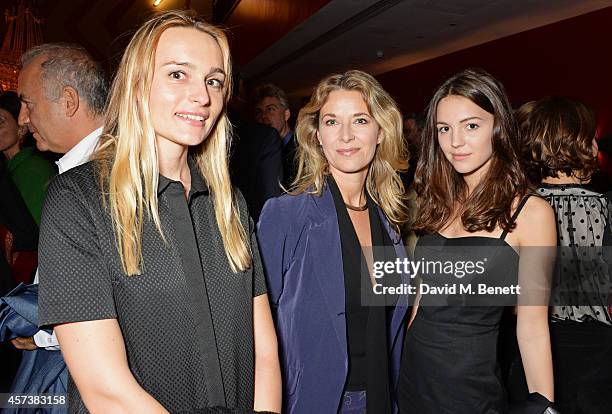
474	202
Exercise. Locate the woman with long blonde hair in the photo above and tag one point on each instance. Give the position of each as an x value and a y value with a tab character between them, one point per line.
340	346
158	300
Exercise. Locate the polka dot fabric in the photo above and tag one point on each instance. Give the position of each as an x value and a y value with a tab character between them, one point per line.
81	280
582	217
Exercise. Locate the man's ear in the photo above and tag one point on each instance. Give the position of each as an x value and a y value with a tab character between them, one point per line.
287	114
70	100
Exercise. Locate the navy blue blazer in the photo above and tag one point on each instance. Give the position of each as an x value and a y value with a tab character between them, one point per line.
299	241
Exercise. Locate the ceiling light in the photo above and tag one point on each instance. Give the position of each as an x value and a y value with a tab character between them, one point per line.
156	2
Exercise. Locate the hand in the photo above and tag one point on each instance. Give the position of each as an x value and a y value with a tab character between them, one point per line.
535	403
26	344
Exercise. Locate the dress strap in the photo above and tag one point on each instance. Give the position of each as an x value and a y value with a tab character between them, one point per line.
515	215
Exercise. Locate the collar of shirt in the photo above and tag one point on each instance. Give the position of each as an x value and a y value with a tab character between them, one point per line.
287	138
79	154
198	185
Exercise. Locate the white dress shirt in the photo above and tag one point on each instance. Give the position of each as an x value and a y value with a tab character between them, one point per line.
79	154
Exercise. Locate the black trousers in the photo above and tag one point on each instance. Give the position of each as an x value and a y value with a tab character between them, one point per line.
582	363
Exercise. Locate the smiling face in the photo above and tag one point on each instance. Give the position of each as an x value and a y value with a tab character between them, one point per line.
465	133
348	133
186	95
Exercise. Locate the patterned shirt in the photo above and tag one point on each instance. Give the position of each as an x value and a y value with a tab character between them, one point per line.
583	282
186	320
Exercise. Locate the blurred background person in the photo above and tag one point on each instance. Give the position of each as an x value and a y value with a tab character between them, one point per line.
561	153
18	228
63	91
256	163
413	129
28	169
18	260
272	109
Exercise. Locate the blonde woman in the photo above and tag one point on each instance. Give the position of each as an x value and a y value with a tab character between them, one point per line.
338	354
149	269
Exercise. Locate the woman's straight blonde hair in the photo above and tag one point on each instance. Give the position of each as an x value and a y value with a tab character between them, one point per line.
383	182
127	156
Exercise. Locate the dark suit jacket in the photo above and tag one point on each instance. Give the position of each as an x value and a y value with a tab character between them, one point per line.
289	154
300	247
256	164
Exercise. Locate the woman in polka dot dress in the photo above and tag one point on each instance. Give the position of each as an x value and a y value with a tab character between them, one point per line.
561	152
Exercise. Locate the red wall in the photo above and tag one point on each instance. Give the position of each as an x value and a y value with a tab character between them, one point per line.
571	58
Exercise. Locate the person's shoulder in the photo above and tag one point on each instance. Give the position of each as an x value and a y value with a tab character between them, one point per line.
536	208
71	196
39	159
287	208
32	164
535	201
291	202
536	222
82	180
40	164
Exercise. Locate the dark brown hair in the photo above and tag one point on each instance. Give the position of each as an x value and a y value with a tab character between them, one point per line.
9	101
558	137
441	189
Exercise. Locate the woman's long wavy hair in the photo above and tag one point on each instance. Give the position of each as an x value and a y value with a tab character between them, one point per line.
383	182
128	163
442	191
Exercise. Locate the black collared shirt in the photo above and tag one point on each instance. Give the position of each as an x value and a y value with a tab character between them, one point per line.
186	320
366	322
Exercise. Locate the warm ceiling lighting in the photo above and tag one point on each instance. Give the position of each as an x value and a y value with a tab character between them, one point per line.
156	3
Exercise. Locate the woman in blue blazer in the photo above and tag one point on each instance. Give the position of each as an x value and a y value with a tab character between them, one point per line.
340	339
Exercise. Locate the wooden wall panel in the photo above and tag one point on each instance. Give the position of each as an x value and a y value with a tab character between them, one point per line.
257	24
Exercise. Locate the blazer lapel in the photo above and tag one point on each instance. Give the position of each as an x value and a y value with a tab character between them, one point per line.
402	304
328	254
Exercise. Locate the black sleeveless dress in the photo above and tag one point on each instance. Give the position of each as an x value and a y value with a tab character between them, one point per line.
449	361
